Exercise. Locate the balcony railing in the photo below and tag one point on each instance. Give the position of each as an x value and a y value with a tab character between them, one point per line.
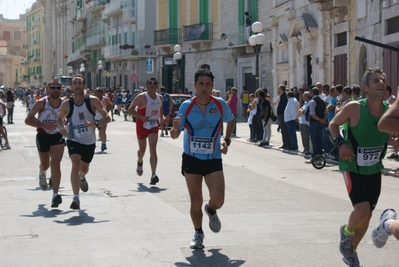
96	5
167	36
198	32
113	8
129	14
81	14
95	41
112	51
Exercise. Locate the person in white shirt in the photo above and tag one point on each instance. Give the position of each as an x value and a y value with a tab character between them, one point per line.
291	119
304	124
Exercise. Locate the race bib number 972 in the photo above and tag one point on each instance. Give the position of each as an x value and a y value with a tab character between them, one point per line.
368	156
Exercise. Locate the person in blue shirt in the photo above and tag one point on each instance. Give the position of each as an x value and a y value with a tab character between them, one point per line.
201	118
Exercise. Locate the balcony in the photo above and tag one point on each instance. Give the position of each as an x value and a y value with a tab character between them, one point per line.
81	15
113	8
36	42
24	46
167	38
198	34
138	52
95	41
129	14
96	5
113	52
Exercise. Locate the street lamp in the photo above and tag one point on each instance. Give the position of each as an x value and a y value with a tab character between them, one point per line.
82	69
256	41
70	71
176	57
100	68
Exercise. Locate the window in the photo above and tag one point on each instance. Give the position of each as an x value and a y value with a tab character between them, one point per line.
6	35
340	39
17	35
392	25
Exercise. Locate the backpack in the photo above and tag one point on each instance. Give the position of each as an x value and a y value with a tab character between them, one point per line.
71	105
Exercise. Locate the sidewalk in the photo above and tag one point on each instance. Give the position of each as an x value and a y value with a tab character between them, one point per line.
391	166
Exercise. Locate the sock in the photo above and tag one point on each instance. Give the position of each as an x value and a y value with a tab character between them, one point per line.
139	163
386	223
82	178
153	175
347	232
210	211
55	194
76	196
395	153
199	230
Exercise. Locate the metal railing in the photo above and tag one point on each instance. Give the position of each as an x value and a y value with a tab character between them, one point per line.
202	31
167	36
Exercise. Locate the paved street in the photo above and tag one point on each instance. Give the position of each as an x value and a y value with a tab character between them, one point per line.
278	210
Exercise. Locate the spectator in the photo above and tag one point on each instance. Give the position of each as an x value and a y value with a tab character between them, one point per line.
304	124
280	115
291	119
233	105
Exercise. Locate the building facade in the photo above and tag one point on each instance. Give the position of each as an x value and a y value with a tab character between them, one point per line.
12	51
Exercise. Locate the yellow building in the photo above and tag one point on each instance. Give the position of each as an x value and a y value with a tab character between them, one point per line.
12	51
34	44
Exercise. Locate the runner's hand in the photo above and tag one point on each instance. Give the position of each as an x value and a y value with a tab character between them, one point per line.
224	148
176	122
345	152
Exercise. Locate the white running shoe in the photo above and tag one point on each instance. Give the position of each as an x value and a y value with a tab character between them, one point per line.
43	181
380	234
214	222
198	240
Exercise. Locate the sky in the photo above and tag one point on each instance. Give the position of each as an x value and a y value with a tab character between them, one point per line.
11	9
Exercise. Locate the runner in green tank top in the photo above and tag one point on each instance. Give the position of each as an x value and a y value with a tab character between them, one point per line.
361	152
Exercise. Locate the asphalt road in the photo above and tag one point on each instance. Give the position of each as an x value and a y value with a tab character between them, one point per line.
278	211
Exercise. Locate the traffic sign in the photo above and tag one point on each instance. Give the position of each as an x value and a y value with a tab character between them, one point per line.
134	78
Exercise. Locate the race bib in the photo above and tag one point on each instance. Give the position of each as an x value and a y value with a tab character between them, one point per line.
151	123
81	130
201	145
368	156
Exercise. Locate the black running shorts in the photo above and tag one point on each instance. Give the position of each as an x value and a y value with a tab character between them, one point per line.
85	151
192	165
45	141
363	188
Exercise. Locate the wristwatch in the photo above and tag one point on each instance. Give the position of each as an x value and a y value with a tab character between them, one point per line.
228	141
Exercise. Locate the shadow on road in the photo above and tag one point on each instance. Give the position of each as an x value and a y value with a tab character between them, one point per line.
199	258
153	189
82	218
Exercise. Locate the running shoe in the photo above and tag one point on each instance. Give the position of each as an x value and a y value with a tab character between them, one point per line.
198	240
57	200
139	169
43	181
162	135
214	222
75	205
346	244
84	185
103	147
166	131
393	156
380	234
352	261
50	181
154	179
7	145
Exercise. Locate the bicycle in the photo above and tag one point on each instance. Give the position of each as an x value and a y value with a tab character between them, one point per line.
3	146
319	161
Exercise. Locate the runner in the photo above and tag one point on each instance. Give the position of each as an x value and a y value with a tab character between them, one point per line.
107	106
49	141
167	106
202	150
81	133
3	133
361	152
149	115
388	224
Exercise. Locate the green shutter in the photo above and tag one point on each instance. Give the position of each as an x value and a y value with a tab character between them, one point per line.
133	38
125	37
204	11
173	21
241	21
254	10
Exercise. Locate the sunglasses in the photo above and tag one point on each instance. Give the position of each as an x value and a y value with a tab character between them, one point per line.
154	83
55	87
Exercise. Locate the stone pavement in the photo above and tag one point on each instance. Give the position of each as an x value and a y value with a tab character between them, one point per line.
391	166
